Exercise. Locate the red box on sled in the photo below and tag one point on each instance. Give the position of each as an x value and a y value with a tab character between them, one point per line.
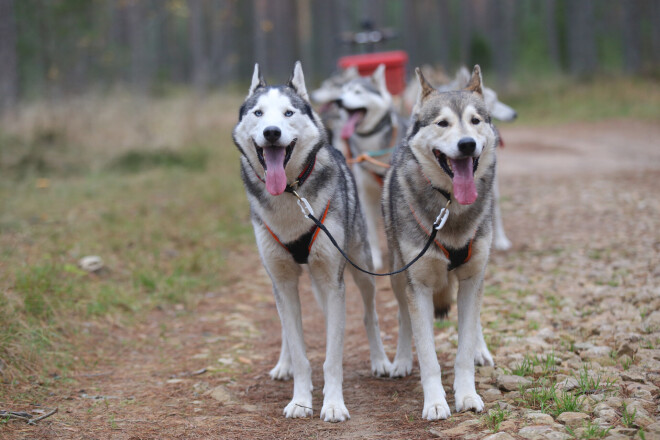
395	67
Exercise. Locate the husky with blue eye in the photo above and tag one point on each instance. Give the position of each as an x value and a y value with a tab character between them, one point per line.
285	154
447	160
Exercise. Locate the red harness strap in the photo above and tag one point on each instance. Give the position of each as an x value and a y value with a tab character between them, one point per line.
453	257
294	248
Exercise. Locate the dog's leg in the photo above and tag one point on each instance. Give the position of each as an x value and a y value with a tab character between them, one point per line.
288	307
370	193
380	364
469	298
482	355
331	292
500	241
402	365
283	370
420	302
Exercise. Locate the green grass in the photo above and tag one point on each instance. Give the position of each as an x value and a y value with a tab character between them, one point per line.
561	99
162	220
549	400
591	431
627	417
495	417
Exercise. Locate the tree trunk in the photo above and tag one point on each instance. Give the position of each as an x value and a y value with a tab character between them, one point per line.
140	74
631	17
200	61
8	56
552	39
581	37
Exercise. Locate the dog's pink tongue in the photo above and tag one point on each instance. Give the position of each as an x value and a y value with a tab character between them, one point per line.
275	175
349	127
464	189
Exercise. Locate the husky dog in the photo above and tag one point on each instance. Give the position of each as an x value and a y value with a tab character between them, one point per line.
285	154
373	128
447	158
327	97
497	110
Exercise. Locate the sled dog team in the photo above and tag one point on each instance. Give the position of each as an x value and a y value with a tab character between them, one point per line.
444	158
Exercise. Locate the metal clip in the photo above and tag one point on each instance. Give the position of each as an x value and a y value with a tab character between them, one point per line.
304	205
442	217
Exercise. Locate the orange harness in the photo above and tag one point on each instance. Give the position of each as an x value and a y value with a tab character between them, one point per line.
365	157
456	257
302	246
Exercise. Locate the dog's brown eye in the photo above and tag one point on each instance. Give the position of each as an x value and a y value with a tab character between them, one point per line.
475	121
443	124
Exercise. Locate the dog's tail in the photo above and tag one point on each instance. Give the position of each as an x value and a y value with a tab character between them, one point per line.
442	298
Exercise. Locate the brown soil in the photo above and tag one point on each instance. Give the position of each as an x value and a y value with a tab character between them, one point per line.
567	192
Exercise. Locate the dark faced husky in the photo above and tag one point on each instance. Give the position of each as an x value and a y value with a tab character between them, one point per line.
285	155
327	97
446	160
373	128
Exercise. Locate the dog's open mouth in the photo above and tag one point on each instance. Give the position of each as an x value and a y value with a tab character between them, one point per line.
461	171
355	116
274	159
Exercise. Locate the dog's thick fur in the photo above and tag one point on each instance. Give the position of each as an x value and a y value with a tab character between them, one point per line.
327	97
451	127
379	128
300	138
497	109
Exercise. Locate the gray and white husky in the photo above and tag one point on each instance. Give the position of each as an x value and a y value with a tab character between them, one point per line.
447	159
326	98
373	128
285	154
497	109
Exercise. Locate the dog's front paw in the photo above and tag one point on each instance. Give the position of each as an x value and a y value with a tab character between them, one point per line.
469	402
482	357
334	412
437	410
281	372
381	367
298	409
401	367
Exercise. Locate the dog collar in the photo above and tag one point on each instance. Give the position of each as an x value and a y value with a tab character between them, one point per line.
302	176
381	124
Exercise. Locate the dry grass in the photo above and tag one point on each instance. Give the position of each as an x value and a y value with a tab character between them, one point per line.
151	186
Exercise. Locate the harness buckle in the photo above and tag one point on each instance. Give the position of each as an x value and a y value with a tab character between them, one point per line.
442	217
304	205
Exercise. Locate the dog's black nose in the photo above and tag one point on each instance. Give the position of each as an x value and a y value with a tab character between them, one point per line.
467	146
272	134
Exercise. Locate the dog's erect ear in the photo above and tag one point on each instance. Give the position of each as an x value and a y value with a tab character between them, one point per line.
378	78
257	80
475	81
425	89
297	81
351	72
462	77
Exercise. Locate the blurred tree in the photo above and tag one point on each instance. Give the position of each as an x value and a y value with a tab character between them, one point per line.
632	60
200	60
552	39
581	37
9	64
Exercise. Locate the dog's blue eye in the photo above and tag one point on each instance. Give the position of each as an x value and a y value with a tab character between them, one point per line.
288	113
475	121
258	113
443	124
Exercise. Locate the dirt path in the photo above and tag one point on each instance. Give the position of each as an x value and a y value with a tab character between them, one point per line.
581	204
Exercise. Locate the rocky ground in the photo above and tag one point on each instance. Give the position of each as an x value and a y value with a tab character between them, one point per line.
571	314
